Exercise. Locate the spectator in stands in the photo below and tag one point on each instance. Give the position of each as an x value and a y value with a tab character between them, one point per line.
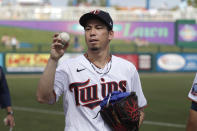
5	100
77	46
14	43
5	40
141	41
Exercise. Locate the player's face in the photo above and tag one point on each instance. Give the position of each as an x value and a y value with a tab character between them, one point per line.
97	35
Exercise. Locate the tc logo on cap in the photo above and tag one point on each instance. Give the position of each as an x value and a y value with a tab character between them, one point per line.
99	14
95	12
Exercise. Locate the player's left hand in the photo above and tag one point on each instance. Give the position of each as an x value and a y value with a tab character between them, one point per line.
9	121
120	111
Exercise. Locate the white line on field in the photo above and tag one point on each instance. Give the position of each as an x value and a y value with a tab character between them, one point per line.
37	110
62	113
164	124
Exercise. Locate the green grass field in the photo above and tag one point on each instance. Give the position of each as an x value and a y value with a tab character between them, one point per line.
166	93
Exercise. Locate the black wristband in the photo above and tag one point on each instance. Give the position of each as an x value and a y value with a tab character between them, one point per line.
194	106
10	113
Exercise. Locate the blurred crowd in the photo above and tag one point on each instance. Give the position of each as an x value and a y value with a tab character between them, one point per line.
10	41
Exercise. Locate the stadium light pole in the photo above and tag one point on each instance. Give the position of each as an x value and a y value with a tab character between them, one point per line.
147	4
108	3
74	2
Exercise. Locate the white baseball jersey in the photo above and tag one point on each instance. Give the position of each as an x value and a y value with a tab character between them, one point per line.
83	86
193	92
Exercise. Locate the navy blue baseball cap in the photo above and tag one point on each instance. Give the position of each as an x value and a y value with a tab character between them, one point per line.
100	14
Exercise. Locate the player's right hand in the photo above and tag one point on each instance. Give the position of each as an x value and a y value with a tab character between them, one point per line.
9	121
57	49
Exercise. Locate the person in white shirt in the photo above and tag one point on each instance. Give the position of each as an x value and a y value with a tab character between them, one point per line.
14	43
85	80
192	120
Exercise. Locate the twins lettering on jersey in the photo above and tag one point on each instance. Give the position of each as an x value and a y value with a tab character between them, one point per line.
87	95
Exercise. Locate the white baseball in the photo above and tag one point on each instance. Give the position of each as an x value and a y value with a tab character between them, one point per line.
65	37
5	121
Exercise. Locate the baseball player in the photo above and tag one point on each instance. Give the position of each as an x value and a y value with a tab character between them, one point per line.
85	80
191	125
5	101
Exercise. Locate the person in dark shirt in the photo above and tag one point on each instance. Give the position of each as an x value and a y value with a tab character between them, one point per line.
5	100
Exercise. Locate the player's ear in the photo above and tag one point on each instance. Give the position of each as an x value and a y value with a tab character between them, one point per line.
111	35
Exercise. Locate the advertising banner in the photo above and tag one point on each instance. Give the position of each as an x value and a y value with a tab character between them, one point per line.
187	35
145	62
133	58
35	63
187	32
30	62
25	62
142	62
172	62
152	32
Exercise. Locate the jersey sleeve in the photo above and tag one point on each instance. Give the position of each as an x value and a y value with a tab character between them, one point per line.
136	87
5	99
60	83
193	91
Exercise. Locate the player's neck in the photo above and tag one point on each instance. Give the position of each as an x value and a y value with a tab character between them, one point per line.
98	59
